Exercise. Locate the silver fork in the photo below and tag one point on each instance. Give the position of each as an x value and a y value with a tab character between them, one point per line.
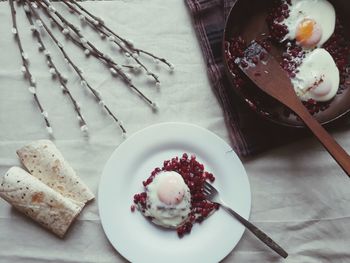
213	195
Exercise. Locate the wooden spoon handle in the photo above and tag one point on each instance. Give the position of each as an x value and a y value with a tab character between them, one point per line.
338	153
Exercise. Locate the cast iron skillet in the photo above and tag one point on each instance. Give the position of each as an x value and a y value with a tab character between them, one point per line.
247	19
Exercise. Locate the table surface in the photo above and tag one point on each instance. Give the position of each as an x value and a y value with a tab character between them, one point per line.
299	195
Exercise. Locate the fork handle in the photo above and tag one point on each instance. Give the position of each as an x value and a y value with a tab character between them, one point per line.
257	232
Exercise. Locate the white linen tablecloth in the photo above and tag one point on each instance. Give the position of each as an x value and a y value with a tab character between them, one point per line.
299	195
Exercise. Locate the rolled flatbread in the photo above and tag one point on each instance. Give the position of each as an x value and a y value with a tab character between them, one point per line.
44	161
38	201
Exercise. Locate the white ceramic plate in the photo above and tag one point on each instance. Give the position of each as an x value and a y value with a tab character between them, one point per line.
138	240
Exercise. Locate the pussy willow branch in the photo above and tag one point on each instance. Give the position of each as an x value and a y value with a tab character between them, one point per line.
96	24
25	68
87	45
54	70
127	43
76	69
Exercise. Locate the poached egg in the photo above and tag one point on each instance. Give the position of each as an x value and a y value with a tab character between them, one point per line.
317	77
311	22
168	200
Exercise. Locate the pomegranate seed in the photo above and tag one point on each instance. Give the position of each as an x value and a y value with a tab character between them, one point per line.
194	175
255	60
244	64
192	218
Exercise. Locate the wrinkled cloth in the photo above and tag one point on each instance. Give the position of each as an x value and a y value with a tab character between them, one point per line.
300	197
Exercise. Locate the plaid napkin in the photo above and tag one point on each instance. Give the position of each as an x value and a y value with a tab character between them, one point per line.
249	132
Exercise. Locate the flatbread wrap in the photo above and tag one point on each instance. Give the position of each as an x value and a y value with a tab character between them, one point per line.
38	201
44	161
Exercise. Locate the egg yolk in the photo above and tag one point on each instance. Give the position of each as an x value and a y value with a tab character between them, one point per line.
170	190
308	33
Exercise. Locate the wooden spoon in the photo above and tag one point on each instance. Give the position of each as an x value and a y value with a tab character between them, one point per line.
264	70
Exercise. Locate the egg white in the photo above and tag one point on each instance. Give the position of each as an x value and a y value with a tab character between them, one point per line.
169	216
321	11
317	64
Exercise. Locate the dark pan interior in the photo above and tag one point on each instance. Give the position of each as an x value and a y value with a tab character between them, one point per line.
247	19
